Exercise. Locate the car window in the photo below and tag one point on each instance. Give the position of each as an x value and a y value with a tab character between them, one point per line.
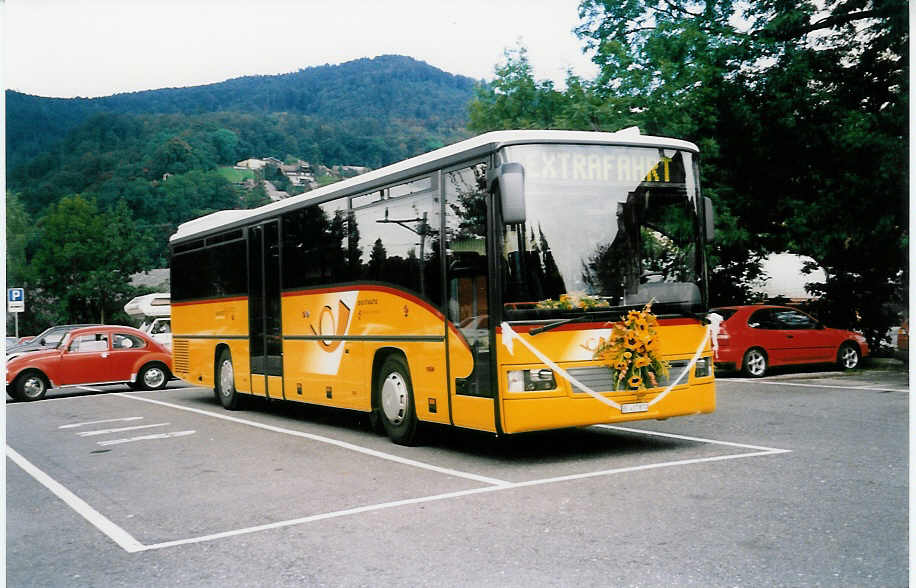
792	319
128	341
763	319
89	342
161	326
53	337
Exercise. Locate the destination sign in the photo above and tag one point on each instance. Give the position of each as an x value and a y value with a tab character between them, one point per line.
597	163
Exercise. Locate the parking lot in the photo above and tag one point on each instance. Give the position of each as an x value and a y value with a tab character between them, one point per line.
795	480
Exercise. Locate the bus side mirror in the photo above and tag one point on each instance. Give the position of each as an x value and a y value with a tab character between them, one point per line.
510	178
709	215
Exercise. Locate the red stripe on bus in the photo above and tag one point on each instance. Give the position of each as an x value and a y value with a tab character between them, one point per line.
598	325
371	288
210	301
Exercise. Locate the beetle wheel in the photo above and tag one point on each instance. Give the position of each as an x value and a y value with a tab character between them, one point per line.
32	385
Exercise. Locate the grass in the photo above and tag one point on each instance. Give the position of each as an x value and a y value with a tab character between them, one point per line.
236	175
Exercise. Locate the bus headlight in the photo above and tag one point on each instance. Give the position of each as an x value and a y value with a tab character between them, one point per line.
701	369
531	380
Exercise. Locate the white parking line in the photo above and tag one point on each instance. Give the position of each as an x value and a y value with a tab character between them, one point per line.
328	440
131	545
803	385
698	439
87	423
97	519
450	495
152	437
119	430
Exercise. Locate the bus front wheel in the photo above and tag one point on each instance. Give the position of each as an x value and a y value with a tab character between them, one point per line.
225	381
395	401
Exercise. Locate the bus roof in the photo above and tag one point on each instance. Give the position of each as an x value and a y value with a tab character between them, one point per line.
403	170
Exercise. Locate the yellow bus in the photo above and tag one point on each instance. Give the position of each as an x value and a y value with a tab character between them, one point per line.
429	291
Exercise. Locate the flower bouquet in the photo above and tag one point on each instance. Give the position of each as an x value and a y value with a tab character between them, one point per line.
572	301
632	352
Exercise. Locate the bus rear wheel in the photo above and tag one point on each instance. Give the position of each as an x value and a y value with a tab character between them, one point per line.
225	382
394	394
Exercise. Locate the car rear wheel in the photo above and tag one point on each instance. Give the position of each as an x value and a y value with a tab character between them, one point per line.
848	357
153	376
754	364
31	386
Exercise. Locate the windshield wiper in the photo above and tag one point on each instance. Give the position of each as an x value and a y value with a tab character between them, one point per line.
594	315
554	325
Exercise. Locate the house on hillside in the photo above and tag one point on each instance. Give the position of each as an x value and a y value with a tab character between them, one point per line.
299	174
251	164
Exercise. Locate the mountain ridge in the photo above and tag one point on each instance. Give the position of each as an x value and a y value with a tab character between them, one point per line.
383	88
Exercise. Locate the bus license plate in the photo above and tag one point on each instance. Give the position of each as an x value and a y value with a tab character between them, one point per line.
634	407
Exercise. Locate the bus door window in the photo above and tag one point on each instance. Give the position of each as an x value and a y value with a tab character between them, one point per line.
467	277
264	299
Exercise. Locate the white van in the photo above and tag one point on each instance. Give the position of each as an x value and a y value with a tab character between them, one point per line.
155	313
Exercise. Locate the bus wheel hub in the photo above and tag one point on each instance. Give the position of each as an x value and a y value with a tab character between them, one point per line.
394	398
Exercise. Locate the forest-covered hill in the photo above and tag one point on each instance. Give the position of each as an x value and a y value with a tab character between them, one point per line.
145	162
418	99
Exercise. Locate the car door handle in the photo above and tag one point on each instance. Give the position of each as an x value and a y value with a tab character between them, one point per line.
790	336
105	354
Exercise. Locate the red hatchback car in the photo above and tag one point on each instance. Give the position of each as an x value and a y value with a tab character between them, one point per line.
91	355
754	338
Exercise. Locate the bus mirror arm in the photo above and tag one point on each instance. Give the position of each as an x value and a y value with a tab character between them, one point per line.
709	215
510	179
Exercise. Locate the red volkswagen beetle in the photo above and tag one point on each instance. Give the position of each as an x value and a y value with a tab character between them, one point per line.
754	338
91	355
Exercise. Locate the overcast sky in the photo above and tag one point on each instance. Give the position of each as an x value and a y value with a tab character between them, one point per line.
68	48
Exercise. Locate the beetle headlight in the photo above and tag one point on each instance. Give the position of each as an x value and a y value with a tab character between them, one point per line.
531	380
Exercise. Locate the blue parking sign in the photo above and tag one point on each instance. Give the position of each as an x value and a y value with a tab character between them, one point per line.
15	299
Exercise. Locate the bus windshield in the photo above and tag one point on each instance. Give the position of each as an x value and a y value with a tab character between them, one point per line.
607	228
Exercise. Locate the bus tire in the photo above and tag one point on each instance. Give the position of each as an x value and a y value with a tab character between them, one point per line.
848	357
394	392
754	364
225	382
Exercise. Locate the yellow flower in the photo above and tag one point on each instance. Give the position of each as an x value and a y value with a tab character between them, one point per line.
642	362
635	382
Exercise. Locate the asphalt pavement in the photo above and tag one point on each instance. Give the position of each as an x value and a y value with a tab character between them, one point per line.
799	479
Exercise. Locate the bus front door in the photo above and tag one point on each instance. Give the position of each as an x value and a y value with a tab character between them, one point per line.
471	390
264	307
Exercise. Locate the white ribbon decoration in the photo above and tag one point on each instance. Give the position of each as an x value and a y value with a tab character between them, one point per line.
510	336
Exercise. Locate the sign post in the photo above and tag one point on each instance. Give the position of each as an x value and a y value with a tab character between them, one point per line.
15	303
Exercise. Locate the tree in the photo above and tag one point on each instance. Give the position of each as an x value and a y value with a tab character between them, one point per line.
514	100
85	259
800	113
